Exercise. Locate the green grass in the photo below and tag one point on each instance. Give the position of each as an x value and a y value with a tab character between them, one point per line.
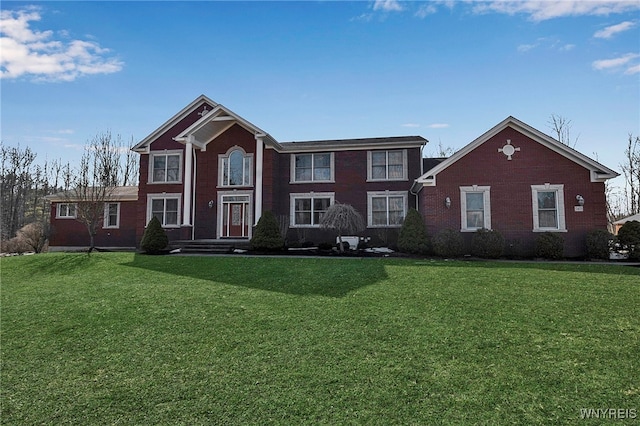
119	338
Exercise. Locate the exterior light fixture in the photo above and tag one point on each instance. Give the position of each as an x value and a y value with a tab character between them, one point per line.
447	202
580	200
210	204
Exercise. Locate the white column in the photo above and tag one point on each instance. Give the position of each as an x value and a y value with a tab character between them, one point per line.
259	160
188	172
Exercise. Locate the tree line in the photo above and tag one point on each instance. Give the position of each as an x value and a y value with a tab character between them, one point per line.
107	162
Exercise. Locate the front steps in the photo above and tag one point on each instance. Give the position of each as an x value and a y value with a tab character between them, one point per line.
208	246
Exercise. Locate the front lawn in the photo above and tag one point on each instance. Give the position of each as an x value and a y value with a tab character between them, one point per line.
120	338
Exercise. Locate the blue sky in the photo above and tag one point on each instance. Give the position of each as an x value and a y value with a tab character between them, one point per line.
444	70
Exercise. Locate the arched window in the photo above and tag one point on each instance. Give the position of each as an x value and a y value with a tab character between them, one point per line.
236	168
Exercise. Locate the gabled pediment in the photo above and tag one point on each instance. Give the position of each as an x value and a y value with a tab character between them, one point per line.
198	104
214	123
598	172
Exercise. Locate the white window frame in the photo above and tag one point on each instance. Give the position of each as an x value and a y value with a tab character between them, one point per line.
165	153
106	216
386	194
59	214
164	196
308	195
486	200
405	172
223	162
313	154
559	190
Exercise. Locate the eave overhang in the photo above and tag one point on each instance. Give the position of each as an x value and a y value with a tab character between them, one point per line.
216	122
598	172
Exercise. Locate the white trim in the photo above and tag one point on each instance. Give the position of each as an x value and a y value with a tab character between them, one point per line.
245	157
166	152
188	174
105	223
486	200
405	172
559	190
164	196
387	194
307	195
598	172
197	103
234	193
258	186
292	178
67	216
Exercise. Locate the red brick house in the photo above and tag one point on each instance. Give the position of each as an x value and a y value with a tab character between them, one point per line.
208	173
118	229
521	182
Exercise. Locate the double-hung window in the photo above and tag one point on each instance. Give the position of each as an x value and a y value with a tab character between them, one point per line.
548	208
387	165
386	208
475	208
307	209
166	167
312	167
66	211
111	215
165	207
236	168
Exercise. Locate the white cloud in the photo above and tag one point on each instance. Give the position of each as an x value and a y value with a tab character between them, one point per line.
388	5
624	61
612	30
541	10
29	52
426	10
412	125
438	126
526	47
633	70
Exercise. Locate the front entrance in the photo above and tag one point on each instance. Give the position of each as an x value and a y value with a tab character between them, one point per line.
235	217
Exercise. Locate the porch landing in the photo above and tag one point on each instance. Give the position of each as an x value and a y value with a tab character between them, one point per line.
209	246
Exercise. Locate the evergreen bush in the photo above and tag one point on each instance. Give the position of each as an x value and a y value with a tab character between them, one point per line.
629	237
266	236
413	236
154	239
599	244
448	243
487	244
550	245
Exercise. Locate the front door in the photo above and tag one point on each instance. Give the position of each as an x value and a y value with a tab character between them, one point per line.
235	217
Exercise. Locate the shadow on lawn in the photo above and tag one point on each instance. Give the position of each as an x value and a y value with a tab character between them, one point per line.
323	277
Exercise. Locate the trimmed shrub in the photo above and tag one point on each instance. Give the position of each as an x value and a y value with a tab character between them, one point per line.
413	236
599	244
154	239
550	245
448	243
629	237
266	236
487	243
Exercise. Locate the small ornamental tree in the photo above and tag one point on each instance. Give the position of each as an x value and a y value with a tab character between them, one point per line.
154	239
344	219
266	236
413	236
629	237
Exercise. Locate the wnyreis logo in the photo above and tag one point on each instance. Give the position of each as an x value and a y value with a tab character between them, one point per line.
608	413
